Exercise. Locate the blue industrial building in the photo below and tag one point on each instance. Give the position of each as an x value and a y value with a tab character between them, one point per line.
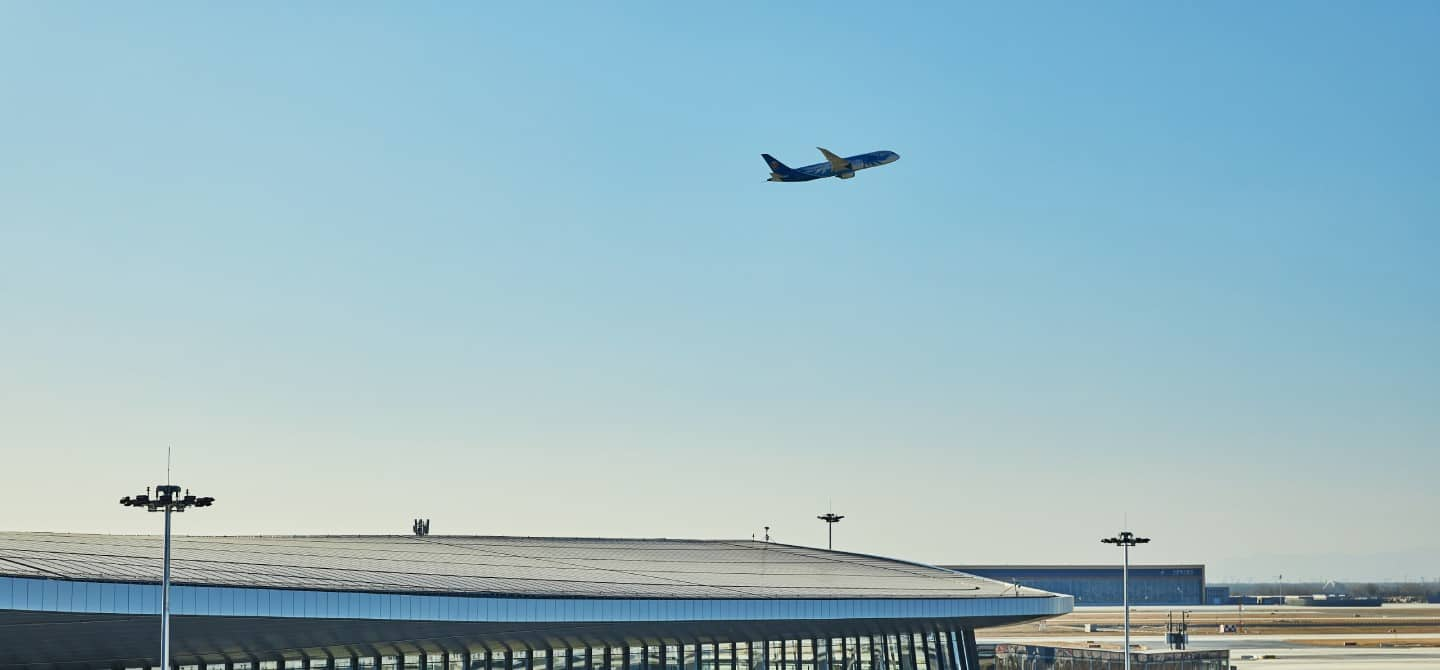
1217	595
1096	585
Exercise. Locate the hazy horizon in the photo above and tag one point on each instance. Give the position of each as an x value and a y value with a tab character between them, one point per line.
517	270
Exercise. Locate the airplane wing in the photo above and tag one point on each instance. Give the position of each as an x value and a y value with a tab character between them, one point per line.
837	163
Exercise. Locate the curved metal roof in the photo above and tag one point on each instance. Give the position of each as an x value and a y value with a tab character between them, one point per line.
494	566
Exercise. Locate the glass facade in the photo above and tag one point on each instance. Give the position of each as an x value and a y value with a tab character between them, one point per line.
51	595
906	651
275	629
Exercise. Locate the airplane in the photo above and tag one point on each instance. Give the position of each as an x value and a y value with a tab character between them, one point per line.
834	166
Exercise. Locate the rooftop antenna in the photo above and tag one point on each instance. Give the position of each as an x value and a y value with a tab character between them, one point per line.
167	465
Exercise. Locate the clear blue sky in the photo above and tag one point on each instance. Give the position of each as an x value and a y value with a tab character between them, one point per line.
515	267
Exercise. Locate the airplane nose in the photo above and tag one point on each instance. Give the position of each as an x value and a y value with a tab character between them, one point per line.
894	156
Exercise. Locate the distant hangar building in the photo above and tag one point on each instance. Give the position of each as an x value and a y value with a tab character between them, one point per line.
90	602
1097	585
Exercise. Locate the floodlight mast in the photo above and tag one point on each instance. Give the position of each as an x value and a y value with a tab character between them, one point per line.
1126	539
167	499
830	519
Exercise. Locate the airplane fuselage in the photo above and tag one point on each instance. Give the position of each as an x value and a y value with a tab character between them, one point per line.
843	168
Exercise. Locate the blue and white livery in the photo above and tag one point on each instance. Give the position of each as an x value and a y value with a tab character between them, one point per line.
834	166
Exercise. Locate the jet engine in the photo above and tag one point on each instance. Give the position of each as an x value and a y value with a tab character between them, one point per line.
845	175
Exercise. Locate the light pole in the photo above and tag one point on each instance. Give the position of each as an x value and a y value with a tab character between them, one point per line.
167	499
830	519
1185	627
1126	539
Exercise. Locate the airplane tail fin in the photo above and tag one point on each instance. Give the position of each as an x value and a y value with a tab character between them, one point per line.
778	171
775	165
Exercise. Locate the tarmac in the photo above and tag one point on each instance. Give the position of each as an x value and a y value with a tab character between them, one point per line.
1287	654
1286	649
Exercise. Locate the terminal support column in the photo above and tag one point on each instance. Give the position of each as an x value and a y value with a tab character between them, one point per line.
962	644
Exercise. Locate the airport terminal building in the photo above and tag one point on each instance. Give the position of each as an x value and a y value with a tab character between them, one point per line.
83	602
